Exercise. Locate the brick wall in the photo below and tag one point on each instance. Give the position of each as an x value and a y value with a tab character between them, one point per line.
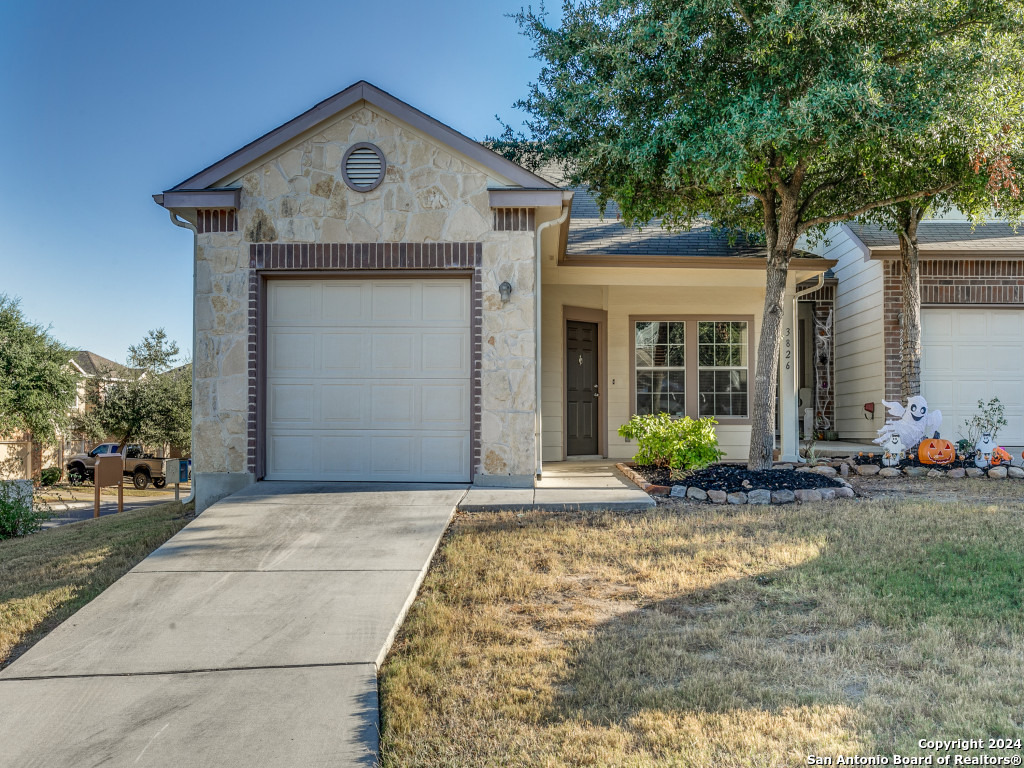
949	282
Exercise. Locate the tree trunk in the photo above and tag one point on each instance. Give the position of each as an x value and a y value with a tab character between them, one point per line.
766	377
910	325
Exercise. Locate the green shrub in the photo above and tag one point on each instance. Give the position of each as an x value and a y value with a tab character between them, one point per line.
991	418
675	443
50	476
17	515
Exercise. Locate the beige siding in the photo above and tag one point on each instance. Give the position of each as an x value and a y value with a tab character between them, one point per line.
859	352
652	292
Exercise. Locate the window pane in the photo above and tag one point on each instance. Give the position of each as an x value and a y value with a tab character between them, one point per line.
645	356
706	355
722	333
738	333
706	332
707	405
643	382
677	333
643	404
661	355
721	354
739	405
677	356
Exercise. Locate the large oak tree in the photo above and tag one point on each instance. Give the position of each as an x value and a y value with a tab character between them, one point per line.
751	114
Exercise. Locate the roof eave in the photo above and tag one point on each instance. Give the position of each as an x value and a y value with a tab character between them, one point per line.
891	254
813	264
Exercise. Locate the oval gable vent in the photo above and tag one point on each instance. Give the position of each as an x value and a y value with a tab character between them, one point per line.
363	167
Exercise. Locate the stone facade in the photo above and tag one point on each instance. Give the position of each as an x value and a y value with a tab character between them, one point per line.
430	194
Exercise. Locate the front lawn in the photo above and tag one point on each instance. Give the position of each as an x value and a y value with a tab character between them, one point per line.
46	577
705	635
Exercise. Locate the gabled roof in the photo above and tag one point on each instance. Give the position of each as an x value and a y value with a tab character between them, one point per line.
91	364
328	109
592	235
946	239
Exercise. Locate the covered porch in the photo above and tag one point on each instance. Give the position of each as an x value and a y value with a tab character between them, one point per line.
624	336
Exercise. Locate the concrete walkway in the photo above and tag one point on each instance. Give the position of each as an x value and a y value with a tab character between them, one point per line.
592	485
251	638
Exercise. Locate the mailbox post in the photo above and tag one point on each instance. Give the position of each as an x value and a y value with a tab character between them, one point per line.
109	470
176	471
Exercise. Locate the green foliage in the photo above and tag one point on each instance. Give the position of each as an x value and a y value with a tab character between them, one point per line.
148	403
50	476
37	382
17	515
675	443
990	418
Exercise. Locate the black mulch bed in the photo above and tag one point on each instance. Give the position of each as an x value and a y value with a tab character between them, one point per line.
730	477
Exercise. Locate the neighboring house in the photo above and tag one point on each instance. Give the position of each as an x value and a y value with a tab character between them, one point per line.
367	308
23	457
95	370
972	318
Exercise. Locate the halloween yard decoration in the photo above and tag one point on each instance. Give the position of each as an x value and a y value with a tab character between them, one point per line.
823	371
892	451
983	450
934	450
1000	456
913	423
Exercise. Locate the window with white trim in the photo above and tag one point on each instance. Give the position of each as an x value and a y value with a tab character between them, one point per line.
722	368
660	367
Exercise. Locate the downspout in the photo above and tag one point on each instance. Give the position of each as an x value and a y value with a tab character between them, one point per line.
179	222
812	289
538	437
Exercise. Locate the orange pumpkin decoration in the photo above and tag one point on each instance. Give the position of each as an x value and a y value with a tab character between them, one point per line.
999	456
935	451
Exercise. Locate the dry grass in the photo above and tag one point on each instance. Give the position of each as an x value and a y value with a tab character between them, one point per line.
46	577
711	636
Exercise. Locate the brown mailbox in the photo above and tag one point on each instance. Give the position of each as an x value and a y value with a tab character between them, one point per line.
109	470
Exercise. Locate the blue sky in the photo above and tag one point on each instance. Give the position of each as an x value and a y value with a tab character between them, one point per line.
107	103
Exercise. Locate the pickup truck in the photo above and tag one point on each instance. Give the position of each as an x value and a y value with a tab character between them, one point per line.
142	468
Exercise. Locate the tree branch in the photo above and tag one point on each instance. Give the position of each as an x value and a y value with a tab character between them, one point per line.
743	13
820	220
823	187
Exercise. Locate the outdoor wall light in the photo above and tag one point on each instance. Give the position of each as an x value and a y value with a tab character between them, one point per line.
505	290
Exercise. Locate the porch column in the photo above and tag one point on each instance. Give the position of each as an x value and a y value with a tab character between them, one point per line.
789	423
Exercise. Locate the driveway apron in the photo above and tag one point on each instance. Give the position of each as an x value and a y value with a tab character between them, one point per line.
251	638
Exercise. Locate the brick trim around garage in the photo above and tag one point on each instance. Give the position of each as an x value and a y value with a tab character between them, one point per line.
953	282
321	260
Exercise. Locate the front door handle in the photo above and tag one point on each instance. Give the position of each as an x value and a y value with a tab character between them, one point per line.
596	393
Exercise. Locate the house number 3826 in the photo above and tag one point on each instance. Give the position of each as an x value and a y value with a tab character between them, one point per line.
788	344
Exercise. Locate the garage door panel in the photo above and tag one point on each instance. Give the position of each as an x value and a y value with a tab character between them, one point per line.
292	352
372	383
342	302
395	302
293	303
445	353
342	351
445	303
968	356
445	406
291	403
342	405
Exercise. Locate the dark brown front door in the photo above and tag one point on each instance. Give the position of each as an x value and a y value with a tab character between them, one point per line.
581	397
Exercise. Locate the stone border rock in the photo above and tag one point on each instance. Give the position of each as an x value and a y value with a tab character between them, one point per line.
753	496
996	473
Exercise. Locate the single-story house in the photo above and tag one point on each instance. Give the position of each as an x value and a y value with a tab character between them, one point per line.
972	323
378	297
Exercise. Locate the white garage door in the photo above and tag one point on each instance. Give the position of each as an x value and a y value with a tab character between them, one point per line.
368	380
972	354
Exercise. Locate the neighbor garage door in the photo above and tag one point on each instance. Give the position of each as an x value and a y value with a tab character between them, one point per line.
972	354
368	380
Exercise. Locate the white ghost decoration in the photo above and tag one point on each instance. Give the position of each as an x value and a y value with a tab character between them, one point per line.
893	450
913	423
984	448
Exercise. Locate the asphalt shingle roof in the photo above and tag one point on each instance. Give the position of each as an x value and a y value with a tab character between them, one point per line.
94	364
590	234
947	236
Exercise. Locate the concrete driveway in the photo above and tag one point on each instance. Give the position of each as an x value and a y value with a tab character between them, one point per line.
251	638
